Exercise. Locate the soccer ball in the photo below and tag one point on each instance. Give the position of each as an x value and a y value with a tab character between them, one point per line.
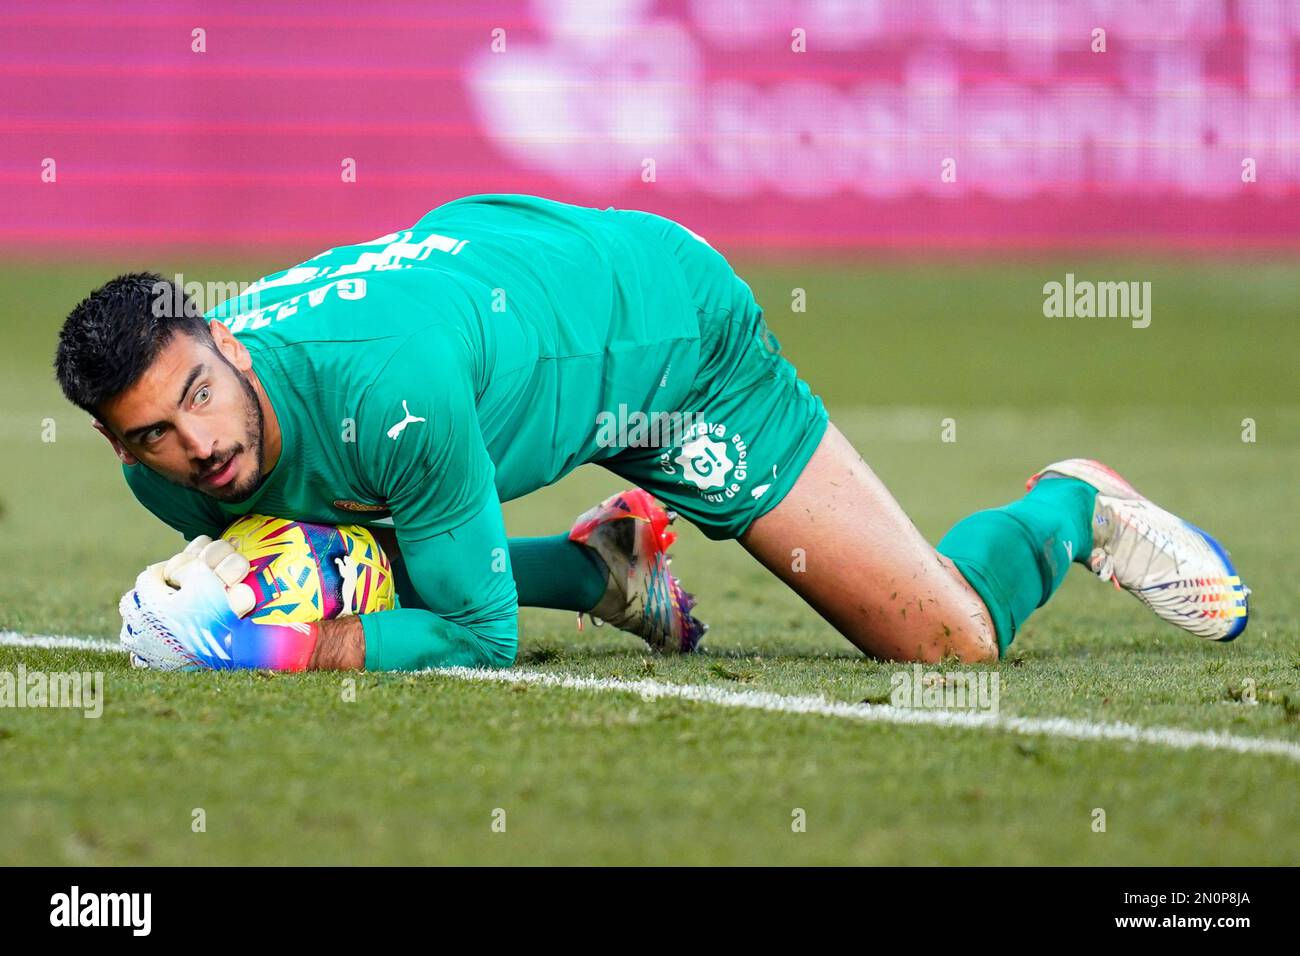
302	572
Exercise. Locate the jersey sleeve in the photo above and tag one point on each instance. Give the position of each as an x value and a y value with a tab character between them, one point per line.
422	452
419	445
187	511
468	613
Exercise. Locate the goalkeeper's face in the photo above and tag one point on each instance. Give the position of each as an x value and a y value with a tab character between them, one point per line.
195	417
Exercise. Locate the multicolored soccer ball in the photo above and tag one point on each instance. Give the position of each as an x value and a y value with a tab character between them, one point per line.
304	572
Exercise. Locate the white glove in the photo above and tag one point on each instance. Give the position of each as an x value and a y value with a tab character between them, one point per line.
179	607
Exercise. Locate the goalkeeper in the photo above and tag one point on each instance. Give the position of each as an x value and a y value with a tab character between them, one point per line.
421	379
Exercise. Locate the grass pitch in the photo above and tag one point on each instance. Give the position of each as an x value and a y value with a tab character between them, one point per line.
418	768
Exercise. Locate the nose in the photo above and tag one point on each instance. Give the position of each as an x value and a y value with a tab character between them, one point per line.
198	442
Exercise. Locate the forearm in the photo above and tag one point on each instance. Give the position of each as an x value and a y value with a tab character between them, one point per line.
410	639
340	645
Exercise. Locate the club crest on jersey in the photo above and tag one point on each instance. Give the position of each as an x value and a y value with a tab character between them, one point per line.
347	504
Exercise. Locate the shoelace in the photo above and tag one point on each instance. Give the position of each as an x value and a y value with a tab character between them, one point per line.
1147	533
1105	569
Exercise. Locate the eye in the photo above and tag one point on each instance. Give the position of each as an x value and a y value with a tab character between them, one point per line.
202	395
152	435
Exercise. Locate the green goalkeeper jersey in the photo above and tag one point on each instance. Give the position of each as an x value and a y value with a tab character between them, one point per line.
431	374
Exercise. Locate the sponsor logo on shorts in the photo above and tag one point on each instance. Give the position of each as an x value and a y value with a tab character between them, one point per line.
712	458
704	462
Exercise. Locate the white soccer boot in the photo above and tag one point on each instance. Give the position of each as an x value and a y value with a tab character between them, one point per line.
1170	565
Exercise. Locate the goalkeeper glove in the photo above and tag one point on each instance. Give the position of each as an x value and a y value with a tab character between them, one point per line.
188	613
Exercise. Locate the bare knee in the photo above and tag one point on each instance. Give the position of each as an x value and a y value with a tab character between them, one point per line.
970	645
977	642
937	624
976	648
949	620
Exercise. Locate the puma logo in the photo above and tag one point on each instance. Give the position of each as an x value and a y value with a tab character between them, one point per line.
401	426
347	566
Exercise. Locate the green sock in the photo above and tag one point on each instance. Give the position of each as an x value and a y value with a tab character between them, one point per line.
1016	556
557	573
549	572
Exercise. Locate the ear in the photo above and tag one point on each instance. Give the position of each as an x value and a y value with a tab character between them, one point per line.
229	346
119	449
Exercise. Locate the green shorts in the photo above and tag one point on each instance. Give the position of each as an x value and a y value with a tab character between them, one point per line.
749	424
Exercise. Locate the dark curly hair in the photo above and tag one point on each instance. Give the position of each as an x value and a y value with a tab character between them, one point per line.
115	333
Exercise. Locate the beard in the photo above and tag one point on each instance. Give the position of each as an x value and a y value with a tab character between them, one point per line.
254	439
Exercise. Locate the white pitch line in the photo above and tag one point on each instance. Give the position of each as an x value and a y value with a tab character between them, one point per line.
1067	728
1064	727
53	643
